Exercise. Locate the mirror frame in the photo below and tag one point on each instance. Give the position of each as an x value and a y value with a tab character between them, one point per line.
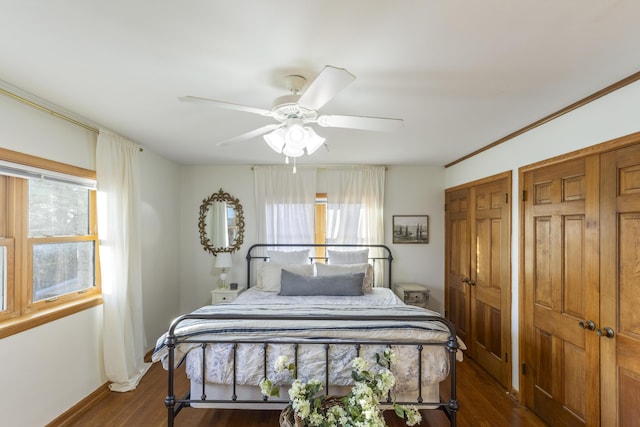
221	196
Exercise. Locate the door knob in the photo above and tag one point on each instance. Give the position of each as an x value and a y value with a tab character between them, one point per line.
472	282
465	280
587	324
606	332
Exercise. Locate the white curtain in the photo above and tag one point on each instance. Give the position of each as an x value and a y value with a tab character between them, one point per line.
285	204
117	176
355	202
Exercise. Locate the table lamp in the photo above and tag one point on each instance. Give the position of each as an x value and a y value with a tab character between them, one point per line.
223	262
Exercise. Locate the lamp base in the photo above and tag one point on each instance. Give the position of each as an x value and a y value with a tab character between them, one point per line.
223	280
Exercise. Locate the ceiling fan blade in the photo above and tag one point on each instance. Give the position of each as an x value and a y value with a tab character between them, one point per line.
251	134
361	122
329	82
226	105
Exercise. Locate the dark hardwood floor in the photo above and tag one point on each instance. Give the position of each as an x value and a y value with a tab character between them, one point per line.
482	403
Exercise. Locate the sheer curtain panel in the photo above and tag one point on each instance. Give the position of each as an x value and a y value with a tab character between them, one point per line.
355	202
118	182
285	204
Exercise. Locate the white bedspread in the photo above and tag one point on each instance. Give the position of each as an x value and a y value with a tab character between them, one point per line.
250	357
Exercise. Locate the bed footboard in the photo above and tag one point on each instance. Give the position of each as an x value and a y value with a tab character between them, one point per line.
174	403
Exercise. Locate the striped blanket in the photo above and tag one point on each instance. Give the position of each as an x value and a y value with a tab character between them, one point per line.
249	357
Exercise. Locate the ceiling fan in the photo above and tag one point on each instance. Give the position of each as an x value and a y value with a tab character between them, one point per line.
291	135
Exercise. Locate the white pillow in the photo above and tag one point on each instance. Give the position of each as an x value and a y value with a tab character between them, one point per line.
289	257
338	270
348	257
269	274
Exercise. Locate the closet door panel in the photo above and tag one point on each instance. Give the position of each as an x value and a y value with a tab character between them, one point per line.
490	276
457	290
478	271
559	293
620	287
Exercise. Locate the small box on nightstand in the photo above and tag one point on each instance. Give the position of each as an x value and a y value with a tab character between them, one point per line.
413	293
219	295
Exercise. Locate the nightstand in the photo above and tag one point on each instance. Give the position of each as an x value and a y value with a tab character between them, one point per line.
413	293
224	295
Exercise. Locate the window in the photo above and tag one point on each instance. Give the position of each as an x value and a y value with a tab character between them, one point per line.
49	265
320	223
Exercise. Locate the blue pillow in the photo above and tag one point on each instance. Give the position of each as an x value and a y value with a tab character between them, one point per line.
292	284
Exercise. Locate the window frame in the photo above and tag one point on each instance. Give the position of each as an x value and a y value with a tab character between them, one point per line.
21	313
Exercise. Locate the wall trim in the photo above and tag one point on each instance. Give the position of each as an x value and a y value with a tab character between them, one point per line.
599	94
68	417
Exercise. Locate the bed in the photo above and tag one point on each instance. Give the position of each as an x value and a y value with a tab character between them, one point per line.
321	317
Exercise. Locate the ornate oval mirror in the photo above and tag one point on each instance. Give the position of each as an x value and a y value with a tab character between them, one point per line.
221	223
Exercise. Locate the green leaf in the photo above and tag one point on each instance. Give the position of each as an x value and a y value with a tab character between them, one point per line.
399	410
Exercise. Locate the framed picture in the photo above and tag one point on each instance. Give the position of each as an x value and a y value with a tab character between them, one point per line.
411	229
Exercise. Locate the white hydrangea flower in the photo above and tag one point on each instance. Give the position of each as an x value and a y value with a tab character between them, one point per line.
413	416
281	363
266	386
297	390
390	355
385	381
302	407
359	364
360	408
315	419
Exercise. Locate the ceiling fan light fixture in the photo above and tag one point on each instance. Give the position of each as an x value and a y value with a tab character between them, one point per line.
275	140
296	136
294	140
314	141
291	151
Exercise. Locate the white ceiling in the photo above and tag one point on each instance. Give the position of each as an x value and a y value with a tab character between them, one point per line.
462	74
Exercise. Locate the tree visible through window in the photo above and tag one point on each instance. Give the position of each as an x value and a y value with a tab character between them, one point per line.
58	218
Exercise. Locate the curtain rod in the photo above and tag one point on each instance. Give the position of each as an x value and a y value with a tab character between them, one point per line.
50	111
325	166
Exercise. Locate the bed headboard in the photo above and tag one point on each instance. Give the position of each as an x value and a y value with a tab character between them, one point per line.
379	256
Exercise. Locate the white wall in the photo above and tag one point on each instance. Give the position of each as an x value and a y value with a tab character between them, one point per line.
160	217
607	118
58	364
418	190
196	276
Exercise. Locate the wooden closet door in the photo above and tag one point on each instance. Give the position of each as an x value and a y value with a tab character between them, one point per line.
490	296
620	282
457	256
560	293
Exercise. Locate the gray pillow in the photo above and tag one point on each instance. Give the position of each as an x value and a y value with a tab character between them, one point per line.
292	284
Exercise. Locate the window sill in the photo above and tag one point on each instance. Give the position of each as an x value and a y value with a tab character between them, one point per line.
39	318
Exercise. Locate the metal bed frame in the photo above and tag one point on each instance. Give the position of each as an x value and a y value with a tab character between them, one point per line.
174	404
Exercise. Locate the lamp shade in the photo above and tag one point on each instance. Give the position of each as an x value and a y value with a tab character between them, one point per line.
223	260
275	139
291	151
296	136
314	141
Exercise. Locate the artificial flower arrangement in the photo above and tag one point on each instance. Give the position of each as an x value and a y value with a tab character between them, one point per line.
360	408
